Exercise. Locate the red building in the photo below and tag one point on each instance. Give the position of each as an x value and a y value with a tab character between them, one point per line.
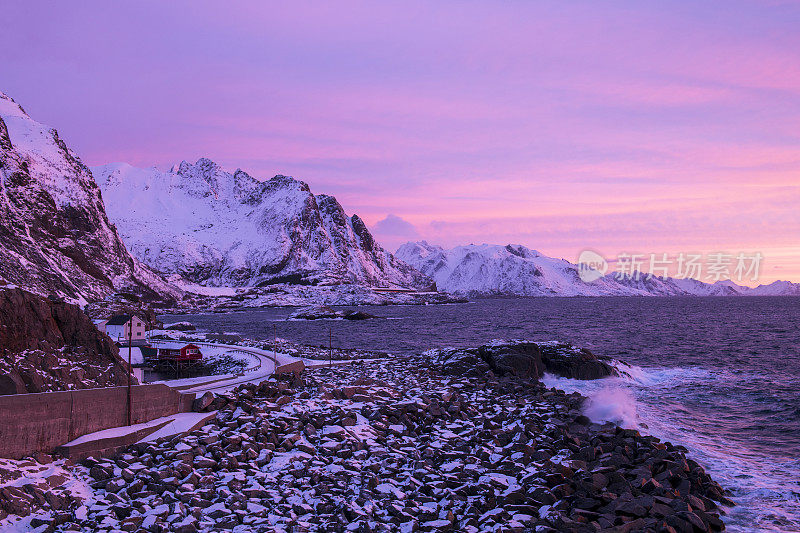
190	352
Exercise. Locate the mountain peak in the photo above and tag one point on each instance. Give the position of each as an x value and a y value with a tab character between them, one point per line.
9	106
221	229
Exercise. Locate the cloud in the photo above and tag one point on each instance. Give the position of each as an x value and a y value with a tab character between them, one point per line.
393	231
396	226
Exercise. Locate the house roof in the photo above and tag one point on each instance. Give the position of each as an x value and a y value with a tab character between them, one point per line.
118	320
147	351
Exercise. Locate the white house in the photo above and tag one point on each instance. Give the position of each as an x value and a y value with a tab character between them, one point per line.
121	327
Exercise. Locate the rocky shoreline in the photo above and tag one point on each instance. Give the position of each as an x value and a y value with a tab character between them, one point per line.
403	444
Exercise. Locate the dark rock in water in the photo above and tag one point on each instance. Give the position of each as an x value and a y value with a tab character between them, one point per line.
180	326
357	315
520	359
315	312
567	361
523	359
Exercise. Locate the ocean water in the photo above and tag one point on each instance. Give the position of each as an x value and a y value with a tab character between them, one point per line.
720	376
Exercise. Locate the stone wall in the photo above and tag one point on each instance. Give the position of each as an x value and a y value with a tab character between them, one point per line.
40	422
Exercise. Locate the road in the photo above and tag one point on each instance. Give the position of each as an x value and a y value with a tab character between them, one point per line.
262	365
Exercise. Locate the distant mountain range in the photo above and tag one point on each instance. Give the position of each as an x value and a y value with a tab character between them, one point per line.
198	224
515	270
217	228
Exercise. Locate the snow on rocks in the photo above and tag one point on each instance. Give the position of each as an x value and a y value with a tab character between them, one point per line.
317	312
395	445
41	486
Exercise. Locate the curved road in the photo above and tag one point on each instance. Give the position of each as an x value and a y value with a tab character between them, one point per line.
263	364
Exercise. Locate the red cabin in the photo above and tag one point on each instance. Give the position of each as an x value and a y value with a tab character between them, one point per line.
190	352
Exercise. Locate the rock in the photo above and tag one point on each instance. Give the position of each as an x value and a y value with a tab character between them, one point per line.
459	362
201	404
315	312
358	315
519	359
11	383
440	452
47	331
522	359
567	361
180	326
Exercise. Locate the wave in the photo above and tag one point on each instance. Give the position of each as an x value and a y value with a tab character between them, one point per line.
673	404
613	405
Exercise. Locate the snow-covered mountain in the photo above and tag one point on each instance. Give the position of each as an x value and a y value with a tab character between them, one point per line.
516	270
776	288
217	228
55	237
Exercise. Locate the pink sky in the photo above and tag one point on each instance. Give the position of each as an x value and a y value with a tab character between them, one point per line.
625	126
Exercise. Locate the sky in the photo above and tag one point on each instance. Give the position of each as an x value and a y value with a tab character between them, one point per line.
620	127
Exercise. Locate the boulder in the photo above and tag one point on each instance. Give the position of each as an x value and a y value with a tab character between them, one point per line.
315	312
201	404
459	362
523	359
519	359
568	361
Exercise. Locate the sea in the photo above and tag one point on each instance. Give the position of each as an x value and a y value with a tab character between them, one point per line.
720	376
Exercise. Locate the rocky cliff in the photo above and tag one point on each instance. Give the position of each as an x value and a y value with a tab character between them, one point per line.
50	345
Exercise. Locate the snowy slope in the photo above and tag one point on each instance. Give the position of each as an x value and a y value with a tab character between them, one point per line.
776	288
217	228
516	270
55	237
494	269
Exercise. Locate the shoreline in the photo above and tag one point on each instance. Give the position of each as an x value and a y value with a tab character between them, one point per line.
397	444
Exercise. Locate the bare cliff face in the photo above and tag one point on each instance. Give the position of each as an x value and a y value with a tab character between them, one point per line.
55	237
48	345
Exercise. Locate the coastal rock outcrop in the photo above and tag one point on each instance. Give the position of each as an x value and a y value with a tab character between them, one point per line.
317	312
47	344
523	359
